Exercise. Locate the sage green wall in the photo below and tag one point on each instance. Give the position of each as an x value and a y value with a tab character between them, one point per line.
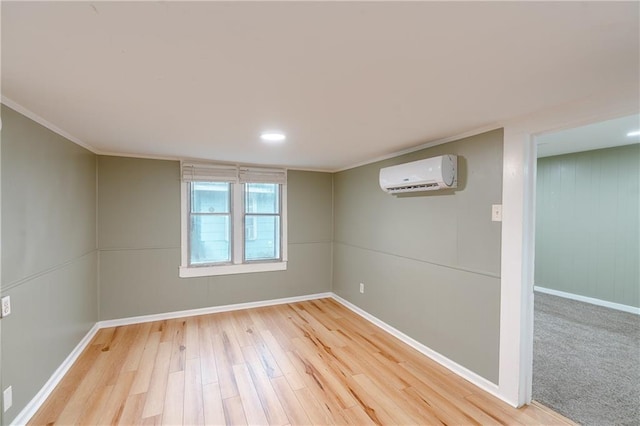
139	241
430	261
49	256
588	224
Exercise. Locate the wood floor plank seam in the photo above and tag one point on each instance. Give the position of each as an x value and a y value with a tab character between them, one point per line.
309	362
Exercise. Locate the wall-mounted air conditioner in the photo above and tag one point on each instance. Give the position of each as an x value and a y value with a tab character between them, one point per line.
422	175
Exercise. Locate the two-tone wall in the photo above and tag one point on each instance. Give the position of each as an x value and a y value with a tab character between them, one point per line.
49	253
139	241
430	262
588	226
88	238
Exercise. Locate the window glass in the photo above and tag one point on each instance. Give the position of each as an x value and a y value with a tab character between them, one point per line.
262	198
210	236
261	221
210	197
210	242
262	237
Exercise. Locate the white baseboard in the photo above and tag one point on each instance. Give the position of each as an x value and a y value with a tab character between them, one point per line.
32	407
593	301
36	402
461	371
210	310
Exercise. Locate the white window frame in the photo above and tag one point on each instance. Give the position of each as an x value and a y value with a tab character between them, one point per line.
237	176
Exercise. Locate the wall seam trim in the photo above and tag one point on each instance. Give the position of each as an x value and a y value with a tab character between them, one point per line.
49	270
138	248
178	247
333	228
97	232
310	242
457	268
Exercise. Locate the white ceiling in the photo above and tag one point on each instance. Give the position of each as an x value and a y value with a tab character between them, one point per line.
605	134
347	82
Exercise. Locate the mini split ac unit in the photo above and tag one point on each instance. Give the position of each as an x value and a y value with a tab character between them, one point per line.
422	175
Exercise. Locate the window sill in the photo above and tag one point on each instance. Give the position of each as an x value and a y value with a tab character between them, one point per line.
245	268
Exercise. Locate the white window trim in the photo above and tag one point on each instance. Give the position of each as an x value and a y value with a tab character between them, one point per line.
242	268
186	271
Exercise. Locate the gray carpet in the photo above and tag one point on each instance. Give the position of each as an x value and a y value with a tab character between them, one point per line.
586	361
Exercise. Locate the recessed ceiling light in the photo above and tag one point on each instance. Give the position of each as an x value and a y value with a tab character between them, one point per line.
635	133
273	136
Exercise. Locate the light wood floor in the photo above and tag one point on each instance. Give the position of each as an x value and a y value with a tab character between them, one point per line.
304	363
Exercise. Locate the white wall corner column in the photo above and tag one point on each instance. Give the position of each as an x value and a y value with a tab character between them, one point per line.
517	216
1	384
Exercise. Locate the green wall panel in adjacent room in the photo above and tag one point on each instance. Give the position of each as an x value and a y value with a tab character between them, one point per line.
588	224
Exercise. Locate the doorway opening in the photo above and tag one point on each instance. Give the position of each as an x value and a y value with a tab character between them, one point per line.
586	340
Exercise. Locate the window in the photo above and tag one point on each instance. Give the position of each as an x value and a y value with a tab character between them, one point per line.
233	220
209	222
262	221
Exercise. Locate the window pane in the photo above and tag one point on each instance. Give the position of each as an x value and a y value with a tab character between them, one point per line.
262	237
210	197
262	198
210	242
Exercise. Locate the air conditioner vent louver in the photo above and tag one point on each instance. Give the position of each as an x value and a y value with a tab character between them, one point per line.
423	175
413	188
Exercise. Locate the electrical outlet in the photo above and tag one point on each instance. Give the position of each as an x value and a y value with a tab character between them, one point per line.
7	398
6	306
361	287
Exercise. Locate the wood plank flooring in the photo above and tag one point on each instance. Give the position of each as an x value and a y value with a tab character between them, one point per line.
304	363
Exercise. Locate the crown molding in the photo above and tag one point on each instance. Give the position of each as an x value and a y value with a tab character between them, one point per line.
45	123
477	131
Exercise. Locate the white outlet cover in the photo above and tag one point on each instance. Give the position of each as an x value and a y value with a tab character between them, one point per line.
7	398
6	306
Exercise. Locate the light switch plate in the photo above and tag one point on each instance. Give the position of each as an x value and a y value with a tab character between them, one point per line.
496	212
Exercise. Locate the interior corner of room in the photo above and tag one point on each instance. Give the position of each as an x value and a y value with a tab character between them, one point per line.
57	258
114	221
91	237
